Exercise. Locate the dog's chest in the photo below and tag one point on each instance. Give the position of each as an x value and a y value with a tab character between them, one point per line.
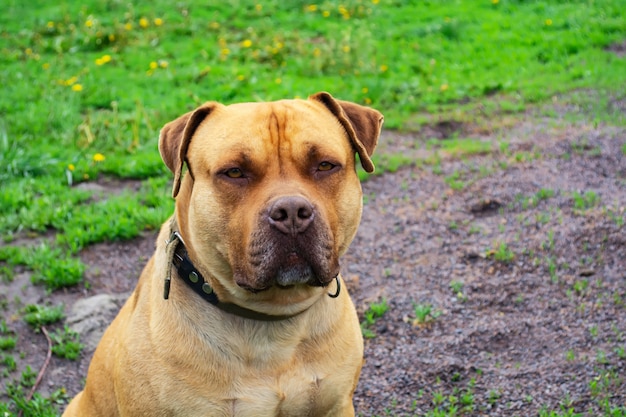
286	396
267	382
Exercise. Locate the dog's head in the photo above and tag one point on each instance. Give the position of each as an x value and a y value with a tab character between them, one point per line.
271	198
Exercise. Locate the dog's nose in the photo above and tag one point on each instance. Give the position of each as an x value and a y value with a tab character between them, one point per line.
291	215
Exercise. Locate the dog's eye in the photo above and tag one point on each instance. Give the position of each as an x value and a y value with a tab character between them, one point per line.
234	173
325	166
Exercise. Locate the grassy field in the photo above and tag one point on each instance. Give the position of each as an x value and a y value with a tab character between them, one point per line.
87	85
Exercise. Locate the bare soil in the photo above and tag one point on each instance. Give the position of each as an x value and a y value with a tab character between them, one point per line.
537	315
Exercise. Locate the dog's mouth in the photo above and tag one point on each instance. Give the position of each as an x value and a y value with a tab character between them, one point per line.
286	278
286	270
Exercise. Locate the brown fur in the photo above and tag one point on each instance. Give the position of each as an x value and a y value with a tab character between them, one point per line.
185	357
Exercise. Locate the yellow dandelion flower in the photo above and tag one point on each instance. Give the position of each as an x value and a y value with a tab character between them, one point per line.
346	49
548	22
128	26
50	25
495	1
111	37
103	60
214	25
158	21
225	51
45	66
444	87
98	157
154	65
246	43
258	7
384	68
364	90
143	22
241	77
71	80
368	100
325	13
278	81
71	167
89	23
375	1
280	45
28	51
317	52
311	7
163	63
86	176
77	87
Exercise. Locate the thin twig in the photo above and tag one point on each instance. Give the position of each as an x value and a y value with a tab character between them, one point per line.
42	371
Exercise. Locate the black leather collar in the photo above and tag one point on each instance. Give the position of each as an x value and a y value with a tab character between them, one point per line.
179	259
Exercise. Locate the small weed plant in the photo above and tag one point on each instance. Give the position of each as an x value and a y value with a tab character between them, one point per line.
585	201
374	312
457	289
502	253
66	343
424	314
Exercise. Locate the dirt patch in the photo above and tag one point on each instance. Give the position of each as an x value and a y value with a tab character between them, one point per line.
444	129
522	261
105	187
510	332
618	48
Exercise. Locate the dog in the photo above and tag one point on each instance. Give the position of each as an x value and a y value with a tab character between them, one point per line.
241	310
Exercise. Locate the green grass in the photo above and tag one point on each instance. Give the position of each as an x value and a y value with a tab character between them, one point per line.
87	85
585	201
461	147
7	338
454	181
37	315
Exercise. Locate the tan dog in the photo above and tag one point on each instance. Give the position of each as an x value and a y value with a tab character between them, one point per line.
256	321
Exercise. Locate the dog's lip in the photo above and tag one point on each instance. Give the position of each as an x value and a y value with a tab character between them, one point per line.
285	287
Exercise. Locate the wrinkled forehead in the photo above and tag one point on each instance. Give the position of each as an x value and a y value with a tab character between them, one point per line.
271	128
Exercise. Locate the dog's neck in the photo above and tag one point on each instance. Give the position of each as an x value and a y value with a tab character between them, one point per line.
178	258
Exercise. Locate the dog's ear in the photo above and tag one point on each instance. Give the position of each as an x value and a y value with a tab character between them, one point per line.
175	138
362	125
